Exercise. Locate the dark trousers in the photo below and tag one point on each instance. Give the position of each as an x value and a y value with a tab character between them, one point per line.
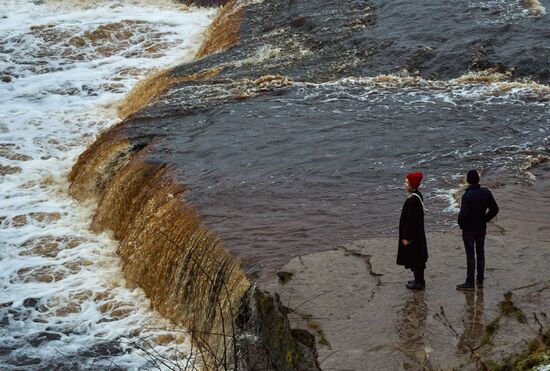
474	243
419	274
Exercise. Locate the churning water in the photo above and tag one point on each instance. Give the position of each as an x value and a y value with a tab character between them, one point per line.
63	300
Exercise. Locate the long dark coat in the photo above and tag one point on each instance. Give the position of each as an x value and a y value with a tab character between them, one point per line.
411	228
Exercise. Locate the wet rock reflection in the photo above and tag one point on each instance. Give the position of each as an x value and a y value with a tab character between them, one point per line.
474	327
411	328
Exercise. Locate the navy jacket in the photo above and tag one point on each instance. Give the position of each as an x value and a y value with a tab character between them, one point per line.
478	207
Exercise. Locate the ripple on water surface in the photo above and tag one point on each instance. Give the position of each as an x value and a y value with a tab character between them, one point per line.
63	300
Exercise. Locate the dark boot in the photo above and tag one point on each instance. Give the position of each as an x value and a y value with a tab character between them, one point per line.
466	286
418	283
412	281
415	286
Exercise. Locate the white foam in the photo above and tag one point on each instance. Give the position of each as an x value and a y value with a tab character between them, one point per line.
452	92
449	195
505	11
55	104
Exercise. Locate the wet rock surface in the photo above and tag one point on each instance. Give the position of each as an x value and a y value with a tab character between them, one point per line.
31	302
106	349
4	350
208	3
24	361
37	339
355	297
265	340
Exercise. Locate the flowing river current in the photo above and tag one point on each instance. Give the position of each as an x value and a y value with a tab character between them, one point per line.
64	303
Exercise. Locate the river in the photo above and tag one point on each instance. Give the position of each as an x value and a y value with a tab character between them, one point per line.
64	302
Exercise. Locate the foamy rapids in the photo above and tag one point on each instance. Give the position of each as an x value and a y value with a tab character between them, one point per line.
63	299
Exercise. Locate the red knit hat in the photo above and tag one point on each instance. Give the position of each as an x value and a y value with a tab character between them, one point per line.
415	179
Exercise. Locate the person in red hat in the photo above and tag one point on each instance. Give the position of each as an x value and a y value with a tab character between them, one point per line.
412	251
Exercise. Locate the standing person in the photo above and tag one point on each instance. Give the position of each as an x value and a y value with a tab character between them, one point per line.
412	250
477	208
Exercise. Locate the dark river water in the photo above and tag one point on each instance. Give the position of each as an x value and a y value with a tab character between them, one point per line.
313	166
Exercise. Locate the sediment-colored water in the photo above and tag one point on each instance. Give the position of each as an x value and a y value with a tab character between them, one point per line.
64	302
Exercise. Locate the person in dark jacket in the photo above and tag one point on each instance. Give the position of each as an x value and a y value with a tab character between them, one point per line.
412	251
477	208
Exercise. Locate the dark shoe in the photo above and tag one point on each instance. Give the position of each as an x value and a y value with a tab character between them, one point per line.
465	286
479	284
411	281
416	285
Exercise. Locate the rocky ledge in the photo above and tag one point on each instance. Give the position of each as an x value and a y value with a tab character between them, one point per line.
353	298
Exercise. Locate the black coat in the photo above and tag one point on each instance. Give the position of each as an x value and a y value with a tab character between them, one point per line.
411	228
477	208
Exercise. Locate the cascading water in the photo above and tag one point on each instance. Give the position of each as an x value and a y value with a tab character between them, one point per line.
63	65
